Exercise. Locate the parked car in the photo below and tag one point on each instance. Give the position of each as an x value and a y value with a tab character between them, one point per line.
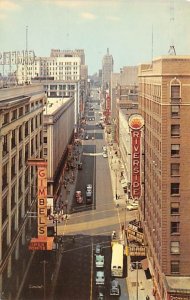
100	293
114	288
105	155
86	137
78	196
100	278
99	261
104	148
89	187
132	206
80	166
98	249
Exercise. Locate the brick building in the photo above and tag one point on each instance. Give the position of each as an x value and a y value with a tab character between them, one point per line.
164	102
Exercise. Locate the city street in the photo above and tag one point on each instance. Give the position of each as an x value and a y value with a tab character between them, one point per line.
68	272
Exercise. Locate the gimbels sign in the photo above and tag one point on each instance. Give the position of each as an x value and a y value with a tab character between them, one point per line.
136	122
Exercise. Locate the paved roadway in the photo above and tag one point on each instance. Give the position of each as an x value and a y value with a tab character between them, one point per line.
69	272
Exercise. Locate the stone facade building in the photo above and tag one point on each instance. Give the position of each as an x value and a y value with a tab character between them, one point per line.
58	133
21	138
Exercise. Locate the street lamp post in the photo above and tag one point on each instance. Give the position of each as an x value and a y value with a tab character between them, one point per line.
66	205
44	277
116	184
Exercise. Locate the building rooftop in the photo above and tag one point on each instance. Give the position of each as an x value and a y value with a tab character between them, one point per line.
53	104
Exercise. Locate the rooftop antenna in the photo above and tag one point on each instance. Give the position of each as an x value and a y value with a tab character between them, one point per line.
152	43
172	47
26	56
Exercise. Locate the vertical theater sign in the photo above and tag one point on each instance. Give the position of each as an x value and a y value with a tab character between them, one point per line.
136	123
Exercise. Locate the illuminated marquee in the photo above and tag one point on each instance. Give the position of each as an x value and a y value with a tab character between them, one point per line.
136	123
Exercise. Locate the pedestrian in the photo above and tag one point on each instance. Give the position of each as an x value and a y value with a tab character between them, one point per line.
147	297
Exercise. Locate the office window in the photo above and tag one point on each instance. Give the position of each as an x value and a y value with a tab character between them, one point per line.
6	118
20	133
175	149
21	111
175	111
45	139
5	145
14	115
174	266
174	247
175	169
175	188
13	167
13	139
26	129
45	151
174	208
174	227
175	130
175	92
4	209
27	108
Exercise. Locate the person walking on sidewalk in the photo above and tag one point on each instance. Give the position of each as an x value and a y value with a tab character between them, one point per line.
147	297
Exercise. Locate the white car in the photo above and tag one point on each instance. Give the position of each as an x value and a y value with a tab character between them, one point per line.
132	206
99	261
86	137
104	148
105	155
100	278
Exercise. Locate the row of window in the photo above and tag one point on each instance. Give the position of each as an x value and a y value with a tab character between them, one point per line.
35	123
19	112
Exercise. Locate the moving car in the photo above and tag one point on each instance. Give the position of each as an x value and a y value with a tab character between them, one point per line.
100	278
89	193
132	206
99	261
114	288
78	196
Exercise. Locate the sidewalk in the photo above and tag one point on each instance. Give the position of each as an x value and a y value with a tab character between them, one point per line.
65	198
145	286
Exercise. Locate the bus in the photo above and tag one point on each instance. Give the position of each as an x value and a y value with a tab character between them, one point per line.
117	260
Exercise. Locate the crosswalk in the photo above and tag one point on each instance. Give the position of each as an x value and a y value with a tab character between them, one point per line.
92	154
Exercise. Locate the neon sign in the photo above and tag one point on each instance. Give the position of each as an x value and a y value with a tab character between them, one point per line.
136	122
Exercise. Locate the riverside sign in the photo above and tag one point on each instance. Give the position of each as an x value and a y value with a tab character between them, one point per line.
136	123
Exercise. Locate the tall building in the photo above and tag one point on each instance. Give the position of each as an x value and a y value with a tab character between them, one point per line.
21	138
164	102
107	69
57	114
69	53
54	68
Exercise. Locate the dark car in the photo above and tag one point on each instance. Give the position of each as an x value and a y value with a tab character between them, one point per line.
79	166
114	288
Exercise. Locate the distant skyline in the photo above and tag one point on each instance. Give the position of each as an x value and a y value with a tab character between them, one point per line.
133	30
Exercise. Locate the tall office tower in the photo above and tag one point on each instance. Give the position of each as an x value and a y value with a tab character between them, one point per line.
21	138
164	102
107	69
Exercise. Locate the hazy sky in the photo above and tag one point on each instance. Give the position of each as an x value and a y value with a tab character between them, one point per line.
123	26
